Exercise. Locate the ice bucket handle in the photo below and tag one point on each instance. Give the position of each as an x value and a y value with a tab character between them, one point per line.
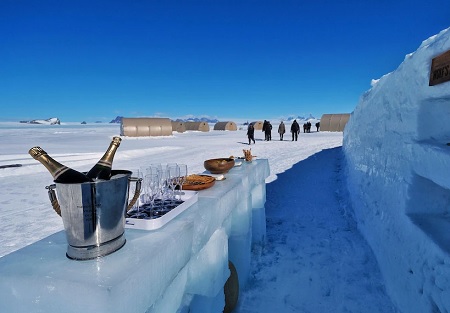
53	199
137	191
57	208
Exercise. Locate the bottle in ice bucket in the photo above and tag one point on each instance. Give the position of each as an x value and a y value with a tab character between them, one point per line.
102	170
60	172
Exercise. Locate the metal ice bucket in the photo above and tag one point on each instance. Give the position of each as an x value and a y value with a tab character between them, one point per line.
94	214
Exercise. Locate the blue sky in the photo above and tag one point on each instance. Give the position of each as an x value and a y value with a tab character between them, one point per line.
95	60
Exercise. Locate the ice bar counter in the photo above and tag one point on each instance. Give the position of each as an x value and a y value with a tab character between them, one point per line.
180	267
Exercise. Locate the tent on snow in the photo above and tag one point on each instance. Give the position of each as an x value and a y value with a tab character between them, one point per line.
178	126
334	122
201	126
140	127
225	126
258	125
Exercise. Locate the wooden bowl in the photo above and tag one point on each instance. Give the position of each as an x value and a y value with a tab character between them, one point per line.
219	166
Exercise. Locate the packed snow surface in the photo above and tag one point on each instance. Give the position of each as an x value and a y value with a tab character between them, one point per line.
314	260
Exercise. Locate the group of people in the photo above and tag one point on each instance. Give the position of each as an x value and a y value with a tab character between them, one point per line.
267	129
307	127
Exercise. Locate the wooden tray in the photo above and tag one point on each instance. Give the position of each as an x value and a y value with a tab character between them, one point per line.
199	182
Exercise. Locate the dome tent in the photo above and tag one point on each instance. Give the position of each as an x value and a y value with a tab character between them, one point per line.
334	122
178	126
145	126
225	126
258	125
200	126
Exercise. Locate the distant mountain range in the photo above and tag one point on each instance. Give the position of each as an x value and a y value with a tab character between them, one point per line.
118	119
196	119
50	121
301	118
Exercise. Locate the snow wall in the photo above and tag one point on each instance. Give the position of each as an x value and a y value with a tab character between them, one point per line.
398	175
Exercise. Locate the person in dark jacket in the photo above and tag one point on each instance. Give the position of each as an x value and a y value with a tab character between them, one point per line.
295	129
281	130
264	127
268	131
251	133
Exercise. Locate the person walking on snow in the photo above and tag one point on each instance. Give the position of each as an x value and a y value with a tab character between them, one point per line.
268	131
264	130
281	130
251	133
295	129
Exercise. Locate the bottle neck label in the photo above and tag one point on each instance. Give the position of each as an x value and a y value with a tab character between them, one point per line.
104	163
60	171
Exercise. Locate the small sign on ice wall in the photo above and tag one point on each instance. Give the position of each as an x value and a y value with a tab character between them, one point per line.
440	69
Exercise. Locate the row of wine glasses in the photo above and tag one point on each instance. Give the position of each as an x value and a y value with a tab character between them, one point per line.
161	190
172	176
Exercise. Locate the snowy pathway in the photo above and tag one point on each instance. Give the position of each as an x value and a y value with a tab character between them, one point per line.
315	260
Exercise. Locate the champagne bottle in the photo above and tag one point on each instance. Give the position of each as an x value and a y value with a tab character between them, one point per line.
102	170
60	172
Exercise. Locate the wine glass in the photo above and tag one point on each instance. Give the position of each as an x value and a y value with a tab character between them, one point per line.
145	170
182	177
171	165
159	201
173	172
151	187
155	167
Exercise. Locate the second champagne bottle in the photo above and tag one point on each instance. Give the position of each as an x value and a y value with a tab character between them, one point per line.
102	170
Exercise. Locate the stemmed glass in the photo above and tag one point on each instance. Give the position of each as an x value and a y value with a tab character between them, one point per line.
155	168
145	170
182	177
163	185
151	187
173	172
